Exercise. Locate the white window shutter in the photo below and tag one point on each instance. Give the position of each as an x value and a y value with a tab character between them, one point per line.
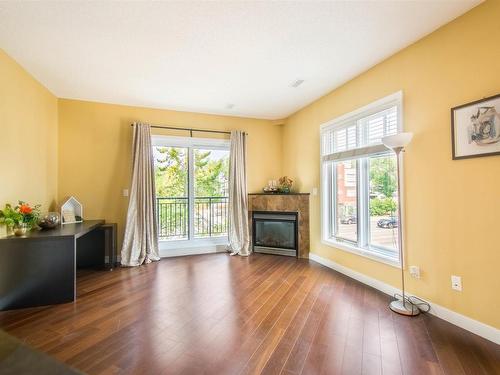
359	136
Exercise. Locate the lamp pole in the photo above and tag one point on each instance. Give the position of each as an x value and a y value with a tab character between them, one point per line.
402	306
396	143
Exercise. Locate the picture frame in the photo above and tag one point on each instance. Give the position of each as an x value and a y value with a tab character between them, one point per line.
475	128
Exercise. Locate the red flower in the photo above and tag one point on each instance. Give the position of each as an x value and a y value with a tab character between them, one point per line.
25	209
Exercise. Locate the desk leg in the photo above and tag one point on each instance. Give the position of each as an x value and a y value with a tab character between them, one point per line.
109	230
90	250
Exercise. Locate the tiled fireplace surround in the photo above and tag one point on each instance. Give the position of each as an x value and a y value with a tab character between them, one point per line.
293	202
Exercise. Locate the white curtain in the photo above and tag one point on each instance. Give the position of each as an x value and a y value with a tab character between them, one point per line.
239	238
140	244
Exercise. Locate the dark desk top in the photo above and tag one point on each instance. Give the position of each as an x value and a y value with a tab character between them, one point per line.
67	230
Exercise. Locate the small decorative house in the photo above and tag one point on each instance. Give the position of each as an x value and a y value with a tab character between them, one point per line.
71	211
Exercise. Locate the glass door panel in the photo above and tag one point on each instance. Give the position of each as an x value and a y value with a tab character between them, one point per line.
172	192
211	180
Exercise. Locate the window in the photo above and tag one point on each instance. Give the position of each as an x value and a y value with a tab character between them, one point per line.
191	178
359	181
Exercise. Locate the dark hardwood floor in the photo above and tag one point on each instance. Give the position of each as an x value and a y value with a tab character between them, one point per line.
216	314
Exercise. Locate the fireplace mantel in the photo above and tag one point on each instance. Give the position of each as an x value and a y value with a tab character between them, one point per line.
279	194
292	202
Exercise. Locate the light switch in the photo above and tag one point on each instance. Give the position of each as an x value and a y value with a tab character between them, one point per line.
456	283
314	191
415	272
125	192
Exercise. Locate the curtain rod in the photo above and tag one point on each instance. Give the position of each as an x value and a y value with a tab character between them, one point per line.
190	130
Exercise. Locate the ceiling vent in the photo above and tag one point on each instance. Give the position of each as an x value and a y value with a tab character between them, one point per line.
230	106
297	83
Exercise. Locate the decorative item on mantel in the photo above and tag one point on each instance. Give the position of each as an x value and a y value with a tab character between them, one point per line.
20	219
71	211
272	187
285	185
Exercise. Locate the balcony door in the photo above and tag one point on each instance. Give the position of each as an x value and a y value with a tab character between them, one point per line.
192	177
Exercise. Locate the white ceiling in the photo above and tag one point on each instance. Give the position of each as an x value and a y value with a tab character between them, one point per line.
202	56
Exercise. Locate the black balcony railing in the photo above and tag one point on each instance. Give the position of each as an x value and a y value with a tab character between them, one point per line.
173	218
210	217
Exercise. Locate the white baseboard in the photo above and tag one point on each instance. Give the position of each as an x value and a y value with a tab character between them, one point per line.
462	321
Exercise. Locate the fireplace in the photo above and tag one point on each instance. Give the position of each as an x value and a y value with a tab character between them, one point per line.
275	232
296	204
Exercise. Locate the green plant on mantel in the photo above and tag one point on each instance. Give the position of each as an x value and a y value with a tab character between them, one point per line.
22	213
285	184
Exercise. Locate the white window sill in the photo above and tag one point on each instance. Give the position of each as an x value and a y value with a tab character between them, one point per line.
192	247
196	242
362	252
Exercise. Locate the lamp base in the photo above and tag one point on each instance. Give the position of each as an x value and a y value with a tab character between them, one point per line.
404	308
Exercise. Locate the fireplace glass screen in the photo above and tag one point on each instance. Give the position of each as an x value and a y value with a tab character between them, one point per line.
275	232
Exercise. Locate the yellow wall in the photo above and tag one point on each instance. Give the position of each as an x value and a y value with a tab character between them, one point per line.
54	148
452	207
95	145
28	137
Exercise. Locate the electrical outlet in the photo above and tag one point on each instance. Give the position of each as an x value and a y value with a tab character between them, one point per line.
415	272
456	283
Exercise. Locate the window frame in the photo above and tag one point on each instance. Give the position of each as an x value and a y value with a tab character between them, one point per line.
328	185
191	244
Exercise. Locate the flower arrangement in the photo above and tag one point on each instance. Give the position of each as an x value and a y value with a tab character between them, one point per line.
285	184
23	215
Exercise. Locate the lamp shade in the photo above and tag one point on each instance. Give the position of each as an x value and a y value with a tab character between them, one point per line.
399	140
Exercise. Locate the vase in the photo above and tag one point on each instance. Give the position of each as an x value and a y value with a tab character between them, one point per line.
49	221
21	229
9	230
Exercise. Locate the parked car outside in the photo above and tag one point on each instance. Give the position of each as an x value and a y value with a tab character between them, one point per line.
350	219
390	222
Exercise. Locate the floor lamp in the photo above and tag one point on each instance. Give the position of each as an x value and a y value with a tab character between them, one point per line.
397	144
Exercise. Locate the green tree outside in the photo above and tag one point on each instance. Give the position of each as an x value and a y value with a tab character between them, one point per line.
171	173
380	207
383	180
383	175
211	174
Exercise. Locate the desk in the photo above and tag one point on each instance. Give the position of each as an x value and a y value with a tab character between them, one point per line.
40	269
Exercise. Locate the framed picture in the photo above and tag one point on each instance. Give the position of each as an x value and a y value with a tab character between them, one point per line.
475	128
